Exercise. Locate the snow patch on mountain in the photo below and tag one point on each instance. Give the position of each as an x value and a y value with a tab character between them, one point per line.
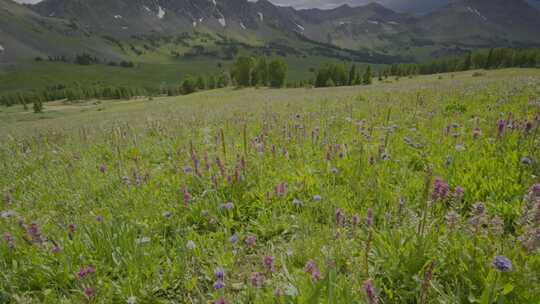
117	17
477	13
222	21
2	49
261	16
161	12
243	26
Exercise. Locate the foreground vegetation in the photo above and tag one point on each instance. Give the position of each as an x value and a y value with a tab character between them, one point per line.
424	190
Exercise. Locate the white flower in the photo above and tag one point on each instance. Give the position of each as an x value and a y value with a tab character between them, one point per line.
190	245
132	300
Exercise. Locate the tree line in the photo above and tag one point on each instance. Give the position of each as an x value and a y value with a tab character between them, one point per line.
338	74
495	58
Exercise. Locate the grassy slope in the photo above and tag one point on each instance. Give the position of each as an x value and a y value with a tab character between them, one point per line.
140	246
38	75
59	115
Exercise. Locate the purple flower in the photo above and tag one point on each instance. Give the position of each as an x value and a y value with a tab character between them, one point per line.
502	264
440	190
525	161
219	284
233	239
103	168
334	170
278	292
251	240
9	240
312	268
227	206
317	198
369	217
220	301
501	125
99	219
85	271
340	218
281	189
35	233
256	279
186	195
56	249
370	292
297	203
219	273
477	133
89	292
355	220
268	263
72	228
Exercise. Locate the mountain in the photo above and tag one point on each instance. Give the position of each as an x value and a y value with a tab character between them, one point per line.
26	34
147	29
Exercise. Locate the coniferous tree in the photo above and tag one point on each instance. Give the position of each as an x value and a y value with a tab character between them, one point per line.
277	72
367	79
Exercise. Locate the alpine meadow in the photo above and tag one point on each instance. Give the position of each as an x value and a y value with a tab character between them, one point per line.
291	152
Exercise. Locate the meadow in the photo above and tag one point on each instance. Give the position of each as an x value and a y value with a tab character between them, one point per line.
422	190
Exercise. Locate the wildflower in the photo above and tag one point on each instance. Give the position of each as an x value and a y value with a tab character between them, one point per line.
502	263
56	249
219	273
125	180
525	161
281	189
340	218
207	163
334	170
369	217
458	193
167	214
355	220
35	233
188	170
440	190
479	209
268	263
99	219
9	241
233	239
219	284
251	240
227	206
186	195
477	133
131	300
297	203
317	198
221	301
72	228
528	127
190	245
85	271
103	168
256	279
312	268
531	239
370	292
89	292
501	125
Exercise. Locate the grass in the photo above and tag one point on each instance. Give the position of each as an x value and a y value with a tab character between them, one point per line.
333	191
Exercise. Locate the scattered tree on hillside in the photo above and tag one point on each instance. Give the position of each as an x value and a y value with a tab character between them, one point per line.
277	73
367	79
188	85
242	71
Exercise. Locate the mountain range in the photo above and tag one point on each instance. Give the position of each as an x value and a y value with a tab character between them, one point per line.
118	29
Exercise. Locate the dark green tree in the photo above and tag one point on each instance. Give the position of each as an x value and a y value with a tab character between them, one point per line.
242	71
367	78
277	73
188	85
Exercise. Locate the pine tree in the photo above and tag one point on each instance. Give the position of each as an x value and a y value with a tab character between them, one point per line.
352	75
367	79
